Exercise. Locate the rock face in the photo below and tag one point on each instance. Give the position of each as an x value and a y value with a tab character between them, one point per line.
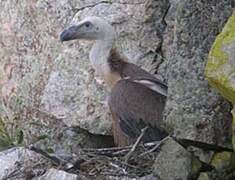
193	110
220	73
220	66
53	174
14	161
173	161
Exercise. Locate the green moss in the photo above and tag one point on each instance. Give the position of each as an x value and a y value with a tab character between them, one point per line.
225	89
196	165
217	77
217	57
221	160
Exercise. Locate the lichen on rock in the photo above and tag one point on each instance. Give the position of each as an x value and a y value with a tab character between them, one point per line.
220	68
220	72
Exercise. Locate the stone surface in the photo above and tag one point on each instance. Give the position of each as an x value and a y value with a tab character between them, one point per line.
15	161
54	174
59	138
220	66
193	110
203	176
173	161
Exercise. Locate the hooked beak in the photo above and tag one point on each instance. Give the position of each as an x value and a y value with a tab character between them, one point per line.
70	33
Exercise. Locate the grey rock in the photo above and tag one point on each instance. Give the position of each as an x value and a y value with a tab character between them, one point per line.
75	138
68	140
147	177
15	161
50	78
172	161
193	110
54	174
29	39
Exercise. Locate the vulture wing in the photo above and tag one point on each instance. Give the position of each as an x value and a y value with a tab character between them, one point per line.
136	101
135	106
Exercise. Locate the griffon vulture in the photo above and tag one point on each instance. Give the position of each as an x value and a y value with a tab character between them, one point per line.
137	98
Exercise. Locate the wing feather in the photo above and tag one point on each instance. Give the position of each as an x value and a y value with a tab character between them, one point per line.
141	76
138	106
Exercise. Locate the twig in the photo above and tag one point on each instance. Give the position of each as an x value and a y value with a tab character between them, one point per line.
111	149
129	154
118	167
122	152
116	151
154	148
56	161
118	175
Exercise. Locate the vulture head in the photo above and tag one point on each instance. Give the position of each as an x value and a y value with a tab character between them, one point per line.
91	28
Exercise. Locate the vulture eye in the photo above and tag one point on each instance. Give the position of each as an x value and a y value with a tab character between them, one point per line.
88	24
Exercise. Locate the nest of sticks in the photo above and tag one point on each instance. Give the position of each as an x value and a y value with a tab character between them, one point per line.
130	161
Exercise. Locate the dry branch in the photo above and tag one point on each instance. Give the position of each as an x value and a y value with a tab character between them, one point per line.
129	154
